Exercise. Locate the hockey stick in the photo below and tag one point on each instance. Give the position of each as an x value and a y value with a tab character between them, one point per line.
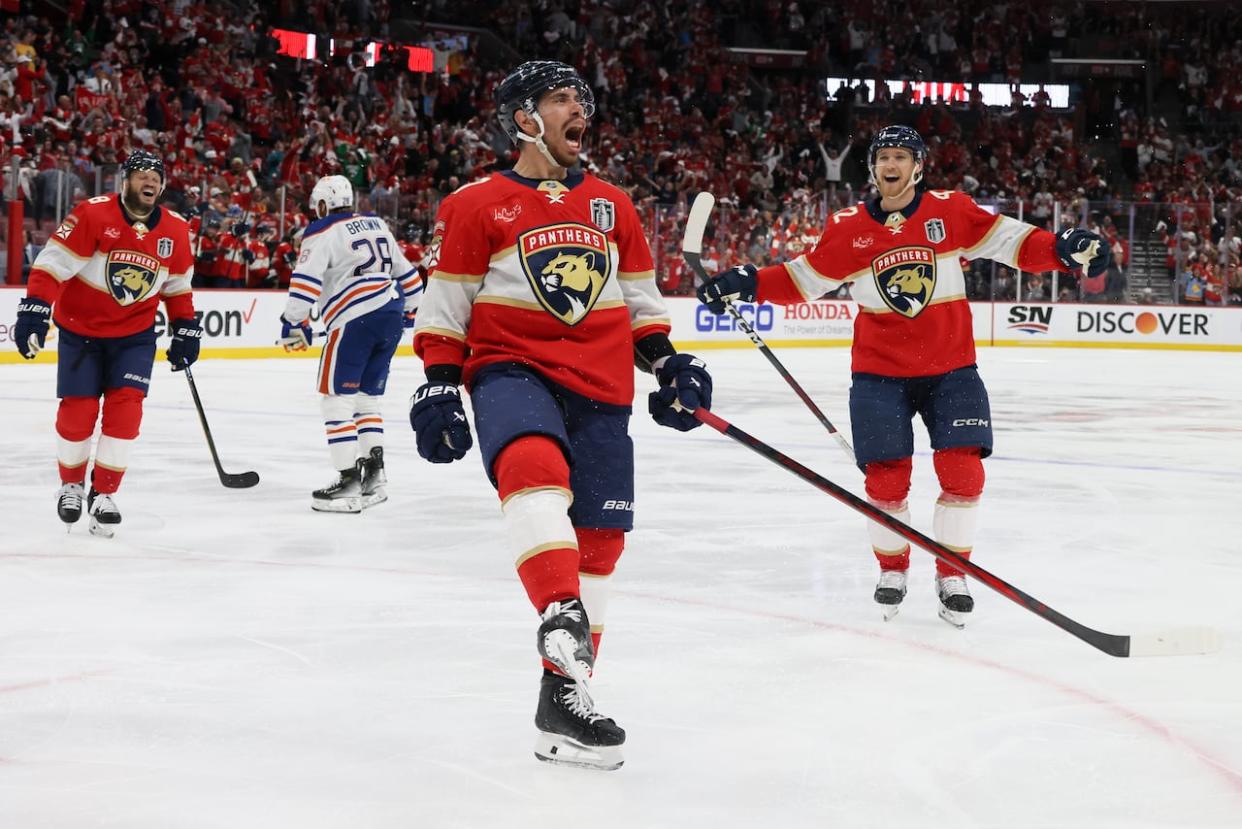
692	252
232	480
1179	642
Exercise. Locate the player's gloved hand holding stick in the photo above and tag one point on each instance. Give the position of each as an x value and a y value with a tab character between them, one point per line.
734	285
295	336
30	332
187	336
685	385
439	422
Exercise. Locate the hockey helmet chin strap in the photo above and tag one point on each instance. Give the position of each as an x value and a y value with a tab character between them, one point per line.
537	140
915	178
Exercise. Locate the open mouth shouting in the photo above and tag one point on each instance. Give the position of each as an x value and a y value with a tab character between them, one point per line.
573	135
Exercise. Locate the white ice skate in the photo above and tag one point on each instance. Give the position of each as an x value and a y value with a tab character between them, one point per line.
955	600
889	592
104	514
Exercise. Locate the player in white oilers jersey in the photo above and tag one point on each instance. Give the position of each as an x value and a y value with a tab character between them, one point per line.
352	270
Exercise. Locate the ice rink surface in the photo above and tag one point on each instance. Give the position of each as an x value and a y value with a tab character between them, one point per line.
232	659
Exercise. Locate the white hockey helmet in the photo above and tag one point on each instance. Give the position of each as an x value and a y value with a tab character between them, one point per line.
334	192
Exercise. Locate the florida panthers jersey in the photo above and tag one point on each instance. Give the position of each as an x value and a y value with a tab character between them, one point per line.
553	274
350	265
123	267
906	276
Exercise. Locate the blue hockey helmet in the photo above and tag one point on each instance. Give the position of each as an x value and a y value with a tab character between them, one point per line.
524	86
898	135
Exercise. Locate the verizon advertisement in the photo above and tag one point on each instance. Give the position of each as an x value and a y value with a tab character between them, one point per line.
243	324
235	324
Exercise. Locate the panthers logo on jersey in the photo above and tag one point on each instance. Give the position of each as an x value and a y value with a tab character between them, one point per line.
131	275
906	279
566	266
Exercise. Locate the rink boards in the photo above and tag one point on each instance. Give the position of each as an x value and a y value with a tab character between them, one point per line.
245	324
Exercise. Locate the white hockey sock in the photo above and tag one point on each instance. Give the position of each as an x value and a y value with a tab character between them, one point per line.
369	423
113	453
885	542
538	520
338	424
73	453
596	590
954	522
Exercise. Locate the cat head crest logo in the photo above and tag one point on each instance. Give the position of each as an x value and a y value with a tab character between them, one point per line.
567	266
906	279
131	275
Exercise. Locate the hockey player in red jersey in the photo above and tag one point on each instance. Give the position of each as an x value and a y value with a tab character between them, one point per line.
127	254
541	297
914	349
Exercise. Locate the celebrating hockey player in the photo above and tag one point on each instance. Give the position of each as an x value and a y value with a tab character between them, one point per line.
352	270
127	253
541	296
914	349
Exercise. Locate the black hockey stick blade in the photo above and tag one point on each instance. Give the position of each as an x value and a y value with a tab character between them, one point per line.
232	480
1179	642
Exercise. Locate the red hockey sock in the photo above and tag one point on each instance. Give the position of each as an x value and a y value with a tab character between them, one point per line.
600	550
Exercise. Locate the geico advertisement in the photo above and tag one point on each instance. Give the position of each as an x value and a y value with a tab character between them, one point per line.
1130	325
824	323
827	322
230	319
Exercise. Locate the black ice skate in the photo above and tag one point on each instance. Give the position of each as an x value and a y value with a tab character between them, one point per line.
571	731
955	599
374	490
104	514
889	592
565	640
69	504
344	495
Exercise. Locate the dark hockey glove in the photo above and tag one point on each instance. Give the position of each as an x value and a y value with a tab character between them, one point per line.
683	378
734	285
295	336
30	332
439	422
187	336
1081	250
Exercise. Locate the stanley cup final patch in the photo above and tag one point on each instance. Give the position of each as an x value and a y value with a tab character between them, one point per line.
566	266
603	214
906	279
934	228
164	247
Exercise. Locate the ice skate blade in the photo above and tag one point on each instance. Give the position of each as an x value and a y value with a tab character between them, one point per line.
562	751
101	530
888	611
377	497
953	617
351	505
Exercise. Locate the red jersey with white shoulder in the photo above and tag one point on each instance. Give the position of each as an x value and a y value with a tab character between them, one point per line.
906	277
123	267
556	275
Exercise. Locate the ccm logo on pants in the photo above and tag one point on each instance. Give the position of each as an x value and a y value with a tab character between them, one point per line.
971	421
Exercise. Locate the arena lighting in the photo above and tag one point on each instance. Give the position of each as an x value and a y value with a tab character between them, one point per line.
994	94
303	45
